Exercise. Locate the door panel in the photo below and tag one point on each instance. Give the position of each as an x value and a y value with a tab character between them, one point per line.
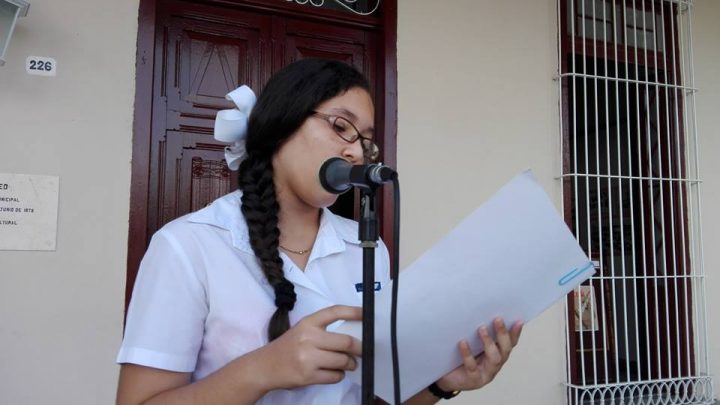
313	40
211	60
203	56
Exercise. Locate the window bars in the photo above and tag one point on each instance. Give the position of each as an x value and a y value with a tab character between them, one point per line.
636	331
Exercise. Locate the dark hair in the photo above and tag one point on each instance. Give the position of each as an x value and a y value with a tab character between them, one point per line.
289	97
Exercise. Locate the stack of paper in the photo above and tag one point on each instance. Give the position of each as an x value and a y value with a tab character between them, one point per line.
513	257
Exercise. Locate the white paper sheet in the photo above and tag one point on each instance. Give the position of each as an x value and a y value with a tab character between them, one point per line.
513	257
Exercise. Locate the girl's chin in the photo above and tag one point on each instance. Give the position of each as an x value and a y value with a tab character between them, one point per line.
326	200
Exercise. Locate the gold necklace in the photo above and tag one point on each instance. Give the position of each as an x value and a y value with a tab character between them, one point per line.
297	252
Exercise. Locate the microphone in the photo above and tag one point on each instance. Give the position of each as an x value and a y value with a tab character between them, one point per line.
338	176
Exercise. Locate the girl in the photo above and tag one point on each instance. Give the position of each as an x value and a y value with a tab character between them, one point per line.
232	302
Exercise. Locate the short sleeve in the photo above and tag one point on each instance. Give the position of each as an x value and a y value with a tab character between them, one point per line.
166	317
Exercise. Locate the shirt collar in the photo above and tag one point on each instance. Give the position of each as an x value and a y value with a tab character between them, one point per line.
225	213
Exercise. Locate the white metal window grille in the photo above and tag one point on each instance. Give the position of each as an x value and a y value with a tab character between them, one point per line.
636	331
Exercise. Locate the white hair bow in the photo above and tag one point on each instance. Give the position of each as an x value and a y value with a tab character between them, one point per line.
231	125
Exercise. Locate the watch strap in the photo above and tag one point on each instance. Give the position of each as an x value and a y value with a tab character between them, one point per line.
440	393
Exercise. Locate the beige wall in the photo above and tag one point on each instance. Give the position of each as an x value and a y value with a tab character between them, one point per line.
477	100
475	88
707	78
61	311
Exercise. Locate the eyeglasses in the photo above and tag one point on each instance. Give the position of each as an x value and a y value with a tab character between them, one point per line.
349	133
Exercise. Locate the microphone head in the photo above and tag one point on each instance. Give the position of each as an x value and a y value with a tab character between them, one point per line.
334	175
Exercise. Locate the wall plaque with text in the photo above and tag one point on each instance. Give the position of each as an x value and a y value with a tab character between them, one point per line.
28	211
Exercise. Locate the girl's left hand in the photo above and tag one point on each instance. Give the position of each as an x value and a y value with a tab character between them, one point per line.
476	372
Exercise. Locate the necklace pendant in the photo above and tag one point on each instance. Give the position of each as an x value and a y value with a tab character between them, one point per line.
297	252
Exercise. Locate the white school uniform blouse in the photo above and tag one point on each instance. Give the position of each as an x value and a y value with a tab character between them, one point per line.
201	299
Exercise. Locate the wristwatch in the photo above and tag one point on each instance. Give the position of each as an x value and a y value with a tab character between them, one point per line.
440	393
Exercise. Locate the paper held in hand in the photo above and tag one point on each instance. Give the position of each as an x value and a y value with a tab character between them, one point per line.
513	257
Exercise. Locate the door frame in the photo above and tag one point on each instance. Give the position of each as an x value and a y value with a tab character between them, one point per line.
385	102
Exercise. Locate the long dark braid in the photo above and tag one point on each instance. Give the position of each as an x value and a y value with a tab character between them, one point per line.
260	208
289	97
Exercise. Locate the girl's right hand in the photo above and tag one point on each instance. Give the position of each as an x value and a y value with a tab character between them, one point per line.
308	354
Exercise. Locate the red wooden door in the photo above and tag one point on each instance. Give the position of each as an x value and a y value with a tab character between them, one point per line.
203	55
200	53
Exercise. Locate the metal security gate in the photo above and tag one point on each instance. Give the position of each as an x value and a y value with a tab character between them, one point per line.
636	331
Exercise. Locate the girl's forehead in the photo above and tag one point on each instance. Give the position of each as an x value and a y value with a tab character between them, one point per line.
352	104
344	112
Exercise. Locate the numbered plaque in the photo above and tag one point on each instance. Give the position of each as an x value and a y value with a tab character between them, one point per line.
41	66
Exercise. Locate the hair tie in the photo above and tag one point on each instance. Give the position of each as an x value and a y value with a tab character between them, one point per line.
231	125
285	295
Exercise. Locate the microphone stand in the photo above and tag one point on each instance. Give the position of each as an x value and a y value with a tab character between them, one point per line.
368	236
